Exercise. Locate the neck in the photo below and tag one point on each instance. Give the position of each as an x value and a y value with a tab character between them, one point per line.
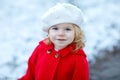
59	48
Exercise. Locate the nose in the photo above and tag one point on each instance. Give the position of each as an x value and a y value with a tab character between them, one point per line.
61	33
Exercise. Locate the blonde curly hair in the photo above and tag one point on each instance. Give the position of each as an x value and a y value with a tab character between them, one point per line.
79	37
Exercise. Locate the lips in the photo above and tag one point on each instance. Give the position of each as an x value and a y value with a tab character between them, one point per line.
61	39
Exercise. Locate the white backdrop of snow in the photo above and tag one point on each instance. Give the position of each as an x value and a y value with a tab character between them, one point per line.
20	30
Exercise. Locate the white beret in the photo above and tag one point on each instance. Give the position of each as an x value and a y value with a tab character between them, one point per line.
62	13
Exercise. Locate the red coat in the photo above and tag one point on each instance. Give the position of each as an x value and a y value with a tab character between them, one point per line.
47	64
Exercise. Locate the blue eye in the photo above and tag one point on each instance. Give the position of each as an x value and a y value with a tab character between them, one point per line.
68	29
54	28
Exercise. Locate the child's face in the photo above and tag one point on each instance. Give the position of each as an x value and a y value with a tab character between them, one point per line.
61	35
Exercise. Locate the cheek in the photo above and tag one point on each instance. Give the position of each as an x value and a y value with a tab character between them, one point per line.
51	36
72	36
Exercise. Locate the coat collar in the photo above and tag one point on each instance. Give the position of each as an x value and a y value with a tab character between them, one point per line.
65	51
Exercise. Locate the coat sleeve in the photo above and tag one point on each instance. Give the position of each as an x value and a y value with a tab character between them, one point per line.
81	71
30	75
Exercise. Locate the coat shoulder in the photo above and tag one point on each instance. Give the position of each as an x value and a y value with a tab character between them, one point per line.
80	52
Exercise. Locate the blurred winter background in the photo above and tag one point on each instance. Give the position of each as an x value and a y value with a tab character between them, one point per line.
20	32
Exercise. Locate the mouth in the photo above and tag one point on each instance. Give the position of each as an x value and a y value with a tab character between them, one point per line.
61	39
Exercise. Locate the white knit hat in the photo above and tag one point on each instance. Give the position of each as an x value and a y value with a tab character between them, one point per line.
62	13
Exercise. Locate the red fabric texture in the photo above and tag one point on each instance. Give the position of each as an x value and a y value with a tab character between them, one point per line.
47	64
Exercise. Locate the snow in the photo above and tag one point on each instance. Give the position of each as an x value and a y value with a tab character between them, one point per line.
20	30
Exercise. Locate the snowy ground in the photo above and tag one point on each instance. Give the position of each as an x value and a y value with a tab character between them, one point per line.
20	30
